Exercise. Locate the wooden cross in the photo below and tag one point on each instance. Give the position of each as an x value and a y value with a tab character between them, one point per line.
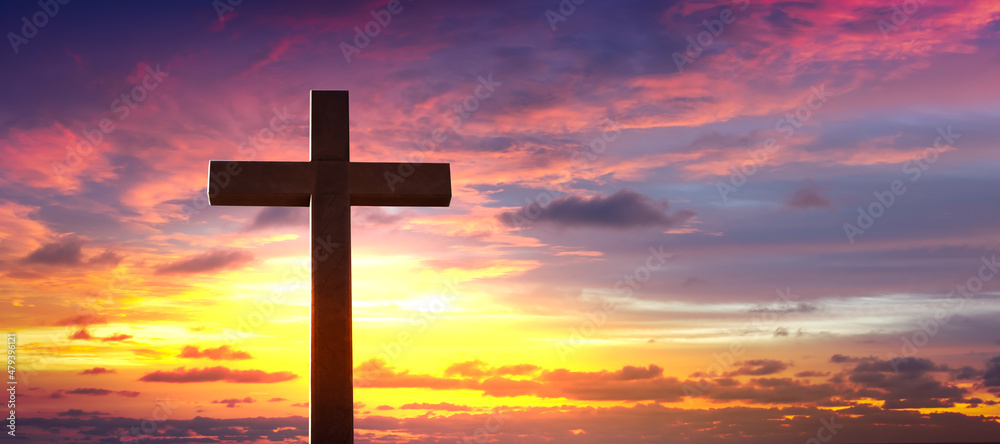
329	184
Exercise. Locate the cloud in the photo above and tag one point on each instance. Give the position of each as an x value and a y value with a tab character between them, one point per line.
108	257
116	338
811	374
469	369
301	404
233	401
808	196
97	371
906	383
479	369
759	367
447	406
622	210
839	358
221	353
276	400
207	262
82	320
90	391
275	217
81	334
991	378
78	412
67	251
85	335
102	392
64	251
182	375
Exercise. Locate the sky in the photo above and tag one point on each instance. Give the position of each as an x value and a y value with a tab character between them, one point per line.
672	221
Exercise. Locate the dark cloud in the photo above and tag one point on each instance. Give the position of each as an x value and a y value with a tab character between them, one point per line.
630	373
97	371
809	196
221	353
108	258
207	262
966	373
90	391
233	401
102	392
839	358
991	378
622	210
65	251
275	217
78	412
811	374
107	430
905	383
116	338
210	374
759	367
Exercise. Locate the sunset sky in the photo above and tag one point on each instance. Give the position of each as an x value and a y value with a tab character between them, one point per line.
672	221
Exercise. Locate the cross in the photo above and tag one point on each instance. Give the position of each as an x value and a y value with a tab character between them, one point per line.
329	184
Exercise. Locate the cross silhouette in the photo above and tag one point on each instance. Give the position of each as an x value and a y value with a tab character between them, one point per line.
329	184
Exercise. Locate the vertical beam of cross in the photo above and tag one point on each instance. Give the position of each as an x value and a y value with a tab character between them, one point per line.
329	184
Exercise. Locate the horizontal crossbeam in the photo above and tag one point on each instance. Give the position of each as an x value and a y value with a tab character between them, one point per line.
292	184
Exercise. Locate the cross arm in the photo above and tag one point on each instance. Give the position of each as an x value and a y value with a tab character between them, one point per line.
388	184
248	183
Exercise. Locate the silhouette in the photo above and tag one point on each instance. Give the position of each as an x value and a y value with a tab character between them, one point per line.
329	184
